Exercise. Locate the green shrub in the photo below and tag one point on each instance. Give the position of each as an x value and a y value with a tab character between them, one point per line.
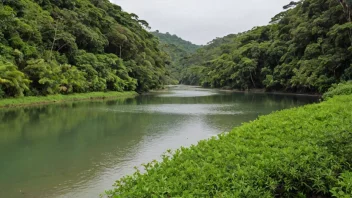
344	189
12	81
339	89
292	153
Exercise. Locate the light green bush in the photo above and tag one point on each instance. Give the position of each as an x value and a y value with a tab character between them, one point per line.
344	189
339	89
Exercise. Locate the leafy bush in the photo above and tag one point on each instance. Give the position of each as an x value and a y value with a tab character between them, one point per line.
12	81
344	189
339	89
292	153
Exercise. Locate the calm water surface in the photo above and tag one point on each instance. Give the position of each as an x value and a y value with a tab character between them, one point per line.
80	149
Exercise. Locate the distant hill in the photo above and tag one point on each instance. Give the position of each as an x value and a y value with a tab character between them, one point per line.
177	41
177	49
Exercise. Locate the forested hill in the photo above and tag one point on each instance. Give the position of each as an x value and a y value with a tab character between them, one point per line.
50	46
177	49
167	38
306	48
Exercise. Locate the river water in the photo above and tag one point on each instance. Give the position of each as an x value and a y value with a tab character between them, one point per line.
80	149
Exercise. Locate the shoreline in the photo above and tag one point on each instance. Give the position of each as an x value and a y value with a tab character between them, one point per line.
54	99
247	91
271	92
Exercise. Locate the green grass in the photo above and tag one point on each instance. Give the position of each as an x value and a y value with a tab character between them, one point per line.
300	152
33	100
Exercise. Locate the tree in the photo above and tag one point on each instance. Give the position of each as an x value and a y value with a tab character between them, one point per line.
12	81
347	9
291	5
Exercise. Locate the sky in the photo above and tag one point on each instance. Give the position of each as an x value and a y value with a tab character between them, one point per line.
200	21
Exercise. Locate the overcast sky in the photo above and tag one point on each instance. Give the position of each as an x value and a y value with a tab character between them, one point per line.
200	21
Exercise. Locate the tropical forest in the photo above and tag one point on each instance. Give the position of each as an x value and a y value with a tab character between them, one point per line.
130	99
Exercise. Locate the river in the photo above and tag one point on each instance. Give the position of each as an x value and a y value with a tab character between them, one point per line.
80	149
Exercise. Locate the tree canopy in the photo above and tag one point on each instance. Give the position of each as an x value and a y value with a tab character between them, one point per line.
173	39
177	49
50	46
306	48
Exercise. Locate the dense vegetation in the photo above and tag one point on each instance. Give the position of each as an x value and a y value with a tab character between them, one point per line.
177	49
339	89
301	152
306	48
51	46
168	39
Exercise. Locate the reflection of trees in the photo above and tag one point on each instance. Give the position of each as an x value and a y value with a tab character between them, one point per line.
254	98
33	123
50	144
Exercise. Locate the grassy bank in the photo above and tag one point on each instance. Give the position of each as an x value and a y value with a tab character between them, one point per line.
32	100
300	152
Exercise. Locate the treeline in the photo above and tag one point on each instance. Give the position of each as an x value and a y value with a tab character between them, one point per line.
306	48
177	49
50	46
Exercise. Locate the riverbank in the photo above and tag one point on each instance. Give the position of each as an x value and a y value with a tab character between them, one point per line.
299	152
40	100
270	92
259	91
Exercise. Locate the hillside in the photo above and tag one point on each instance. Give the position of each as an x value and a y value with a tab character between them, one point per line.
177	49
49	47
306	48
184	45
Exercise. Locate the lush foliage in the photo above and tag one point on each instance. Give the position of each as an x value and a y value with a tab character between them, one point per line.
49	47
177	49
304	49
299	152
169	39
339	89
344	187
12	81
